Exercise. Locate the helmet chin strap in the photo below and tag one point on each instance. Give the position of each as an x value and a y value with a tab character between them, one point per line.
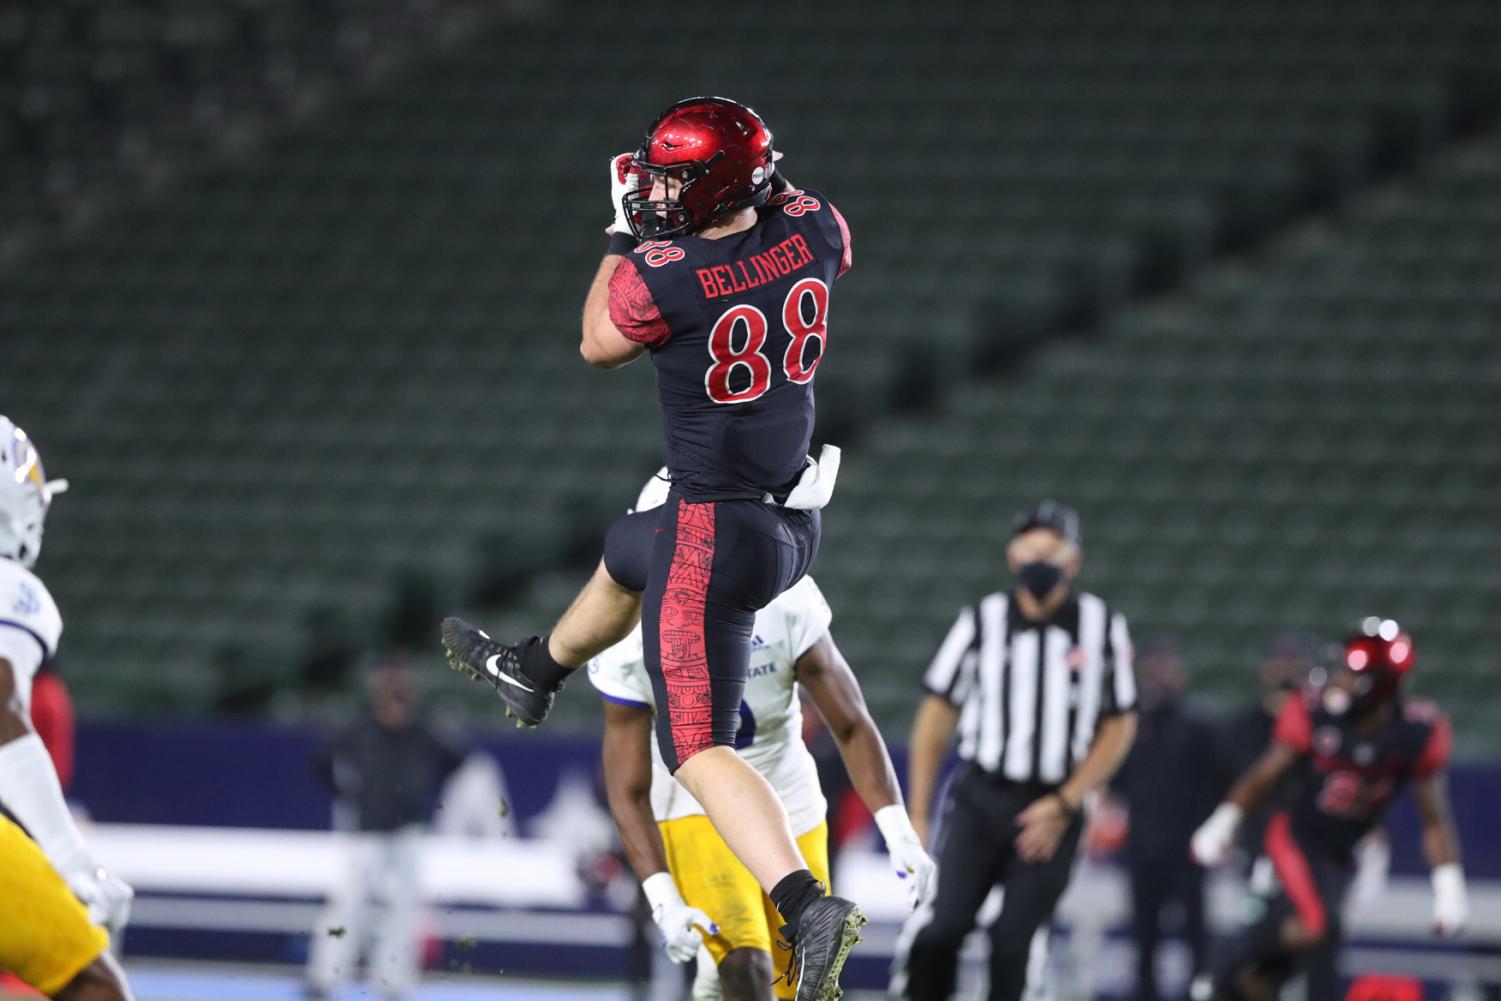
11	543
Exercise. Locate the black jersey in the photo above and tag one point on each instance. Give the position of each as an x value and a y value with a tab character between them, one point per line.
737	328
1349	776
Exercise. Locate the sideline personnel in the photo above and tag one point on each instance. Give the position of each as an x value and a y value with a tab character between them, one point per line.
1041	686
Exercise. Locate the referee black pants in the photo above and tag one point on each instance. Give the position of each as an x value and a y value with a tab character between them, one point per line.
977	853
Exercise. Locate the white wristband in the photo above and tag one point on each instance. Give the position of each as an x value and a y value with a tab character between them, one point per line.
894	824
30	790
661	890
1449	882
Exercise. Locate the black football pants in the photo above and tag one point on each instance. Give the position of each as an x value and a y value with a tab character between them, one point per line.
1311	886
1155	884
976	854
704	570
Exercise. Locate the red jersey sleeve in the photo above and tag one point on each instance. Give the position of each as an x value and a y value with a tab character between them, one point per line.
632	308
847	257
52	717
1435	756
1294	726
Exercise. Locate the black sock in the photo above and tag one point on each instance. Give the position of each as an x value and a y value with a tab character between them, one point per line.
538	664
1263	942
793	895
1260	952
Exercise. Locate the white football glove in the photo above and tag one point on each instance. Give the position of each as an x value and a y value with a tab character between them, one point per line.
1451	906
679	923
1212	841
908	858
623	181
107	896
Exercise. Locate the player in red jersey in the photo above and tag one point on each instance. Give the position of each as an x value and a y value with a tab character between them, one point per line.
722	271
1356	741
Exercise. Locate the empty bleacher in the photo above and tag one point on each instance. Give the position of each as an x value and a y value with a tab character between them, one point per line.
1299	440
294	379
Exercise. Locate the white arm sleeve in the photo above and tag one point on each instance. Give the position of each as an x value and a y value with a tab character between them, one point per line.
30	791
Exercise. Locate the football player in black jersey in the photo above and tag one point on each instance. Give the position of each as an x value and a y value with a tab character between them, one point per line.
1353	741
722	271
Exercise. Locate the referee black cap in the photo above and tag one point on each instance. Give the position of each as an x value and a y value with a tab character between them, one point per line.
1051	515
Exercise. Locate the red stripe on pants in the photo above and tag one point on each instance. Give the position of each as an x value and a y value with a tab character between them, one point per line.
680	632
1293	873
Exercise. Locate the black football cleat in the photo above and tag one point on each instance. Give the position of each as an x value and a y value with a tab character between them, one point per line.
826	933
471	651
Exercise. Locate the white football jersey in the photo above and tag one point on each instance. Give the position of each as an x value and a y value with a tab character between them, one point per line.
771	715
30	625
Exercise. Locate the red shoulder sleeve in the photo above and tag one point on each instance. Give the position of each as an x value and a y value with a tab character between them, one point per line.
1294	726
52	717
1436	751
844	234
632	309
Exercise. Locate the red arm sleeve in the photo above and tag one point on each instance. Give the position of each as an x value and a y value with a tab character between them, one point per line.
52	717
844	234
1294	726
1435	756
632	309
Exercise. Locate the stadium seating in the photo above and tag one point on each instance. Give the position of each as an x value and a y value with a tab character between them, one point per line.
294	379
96	99
1298	440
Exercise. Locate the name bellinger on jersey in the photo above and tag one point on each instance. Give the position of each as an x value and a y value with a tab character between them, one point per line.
737	391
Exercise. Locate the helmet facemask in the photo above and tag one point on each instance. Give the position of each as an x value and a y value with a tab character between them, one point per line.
662	218
25	496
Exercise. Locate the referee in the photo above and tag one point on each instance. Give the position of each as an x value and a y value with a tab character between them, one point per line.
1039	682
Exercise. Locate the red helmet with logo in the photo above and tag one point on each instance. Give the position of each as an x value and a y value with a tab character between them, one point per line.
1379	653
718	149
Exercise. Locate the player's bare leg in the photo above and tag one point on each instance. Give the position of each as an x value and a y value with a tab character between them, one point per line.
527	675
746	975
748	815
101	980
1254	977
745	811
1255	986
603	614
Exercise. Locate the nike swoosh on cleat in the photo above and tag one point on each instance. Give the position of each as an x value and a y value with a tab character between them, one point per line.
503	676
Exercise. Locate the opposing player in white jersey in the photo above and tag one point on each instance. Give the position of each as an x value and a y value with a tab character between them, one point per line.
690	876
56	905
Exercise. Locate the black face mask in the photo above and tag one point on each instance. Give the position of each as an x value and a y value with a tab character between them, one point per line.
1039	577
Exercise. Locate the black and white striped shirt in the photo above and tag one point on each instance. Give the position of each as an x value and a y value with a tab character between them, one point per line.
1030	694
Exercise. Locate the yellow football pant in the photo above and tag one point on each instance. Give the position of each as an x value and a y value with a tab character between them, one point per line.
711	878
46	937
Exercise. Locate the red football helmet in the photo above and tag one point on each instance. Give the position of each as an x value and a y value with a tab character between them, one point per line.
1379	654
721	152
